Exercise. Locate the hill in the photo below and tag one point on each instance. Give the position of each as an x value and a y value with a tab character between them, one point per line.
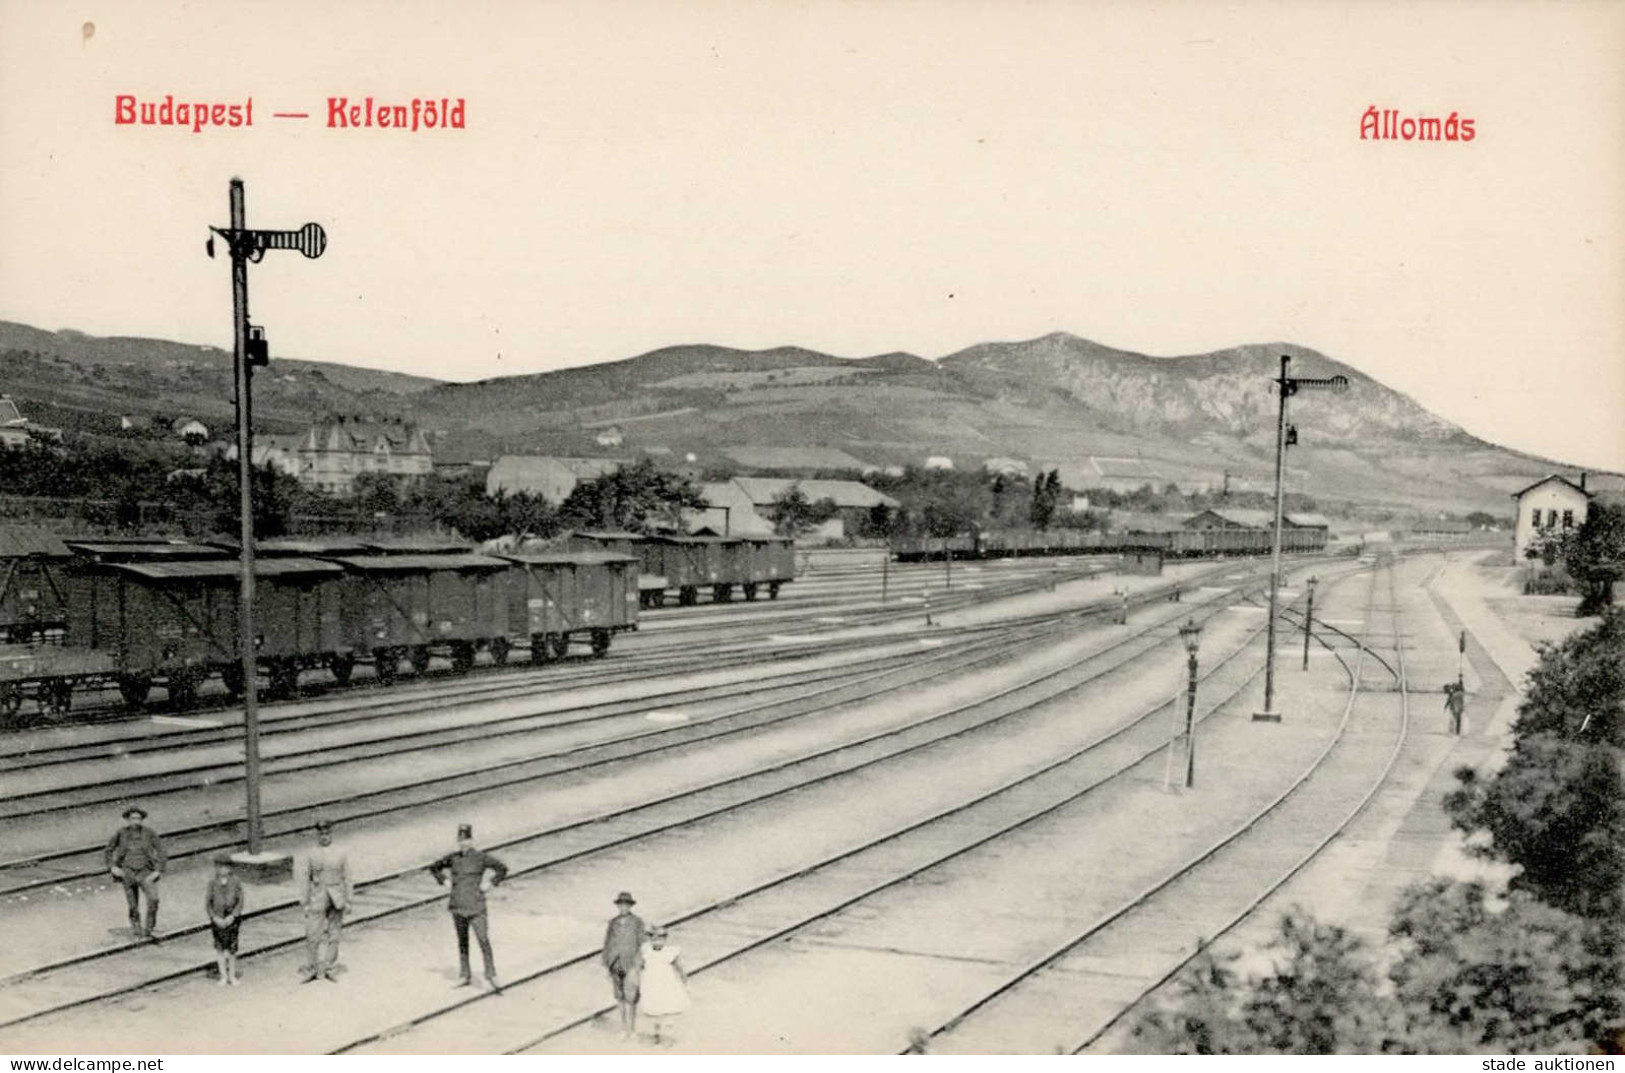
85	382
1096	413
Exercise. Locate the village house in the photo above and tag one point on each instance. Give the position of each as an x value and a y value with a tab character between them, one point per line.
332	454
1121	474
791	459
545	475
740	507
190	429
16	430
1547	508
1009	467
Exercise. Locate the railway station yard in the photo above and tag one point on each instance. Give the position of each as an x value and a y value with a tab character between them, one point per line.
975	829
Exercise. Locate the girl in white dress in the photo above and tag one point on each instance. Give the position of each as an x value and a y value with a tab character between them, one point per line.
664	985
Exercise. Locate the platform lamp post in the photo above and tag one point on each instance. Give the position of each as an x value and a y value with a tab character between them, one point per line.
1191	634
249	348
1309	619
1285	435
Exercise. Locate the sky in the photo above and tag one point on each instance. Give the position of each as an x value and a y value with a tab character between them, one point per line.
857	178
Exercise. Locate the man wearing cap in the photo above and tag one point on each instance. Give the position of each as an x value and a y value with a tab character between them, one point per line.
467	867
135	857
326	894
623	957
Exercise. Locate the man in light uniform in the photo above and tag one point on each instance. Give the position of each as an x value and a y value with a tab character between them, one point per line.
326	895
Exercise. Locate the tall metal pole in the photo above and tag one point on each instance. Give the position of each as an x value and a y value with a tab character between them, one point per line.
245	469
1275	555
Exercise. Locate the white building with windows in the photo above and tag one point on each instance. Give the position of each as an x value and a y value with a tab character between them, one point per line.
1547	508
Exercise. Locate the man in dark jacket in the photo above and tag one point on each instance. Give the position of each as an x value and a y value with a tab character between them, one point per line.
135	857
467	868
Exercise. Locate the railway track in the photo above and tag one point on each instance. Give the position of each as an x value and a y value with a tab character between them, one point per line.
439	685
672	632
1098	1033
790	776
1044	997
773	911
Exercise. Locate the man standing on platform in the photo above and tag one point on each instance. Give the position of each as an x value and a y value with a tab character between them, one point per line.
467	867
1455	702
326	894
135	857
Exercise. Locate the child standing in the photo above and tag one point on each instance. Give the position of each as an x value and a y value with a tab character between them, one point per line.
665	984
225	906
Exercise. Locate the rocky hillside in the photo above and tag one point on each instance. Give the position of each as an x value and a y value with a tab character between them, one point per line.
1097	414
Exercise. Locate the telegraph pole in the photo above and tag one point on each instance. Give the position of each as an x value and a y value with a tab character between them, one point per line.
249	348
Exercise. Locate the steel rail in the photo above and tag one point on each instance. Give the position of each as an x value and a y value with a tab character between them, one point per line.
1206	943
615	844
1145	717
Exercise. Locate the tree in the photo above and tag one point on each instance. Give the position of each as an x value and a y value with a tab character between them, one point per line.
1594	555
633	497
792	513
1320	997
1523	978
1046	495
1556	808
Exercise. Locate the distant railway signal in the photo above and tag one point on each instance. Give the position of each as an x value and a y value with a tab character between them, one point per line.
1285	436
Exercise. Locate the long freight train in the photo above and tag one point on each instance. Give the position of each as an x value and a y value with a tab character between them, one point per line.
137	614
1175	544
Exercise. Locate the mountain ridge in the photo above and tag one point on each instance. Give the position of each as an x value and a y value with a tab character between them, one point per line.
1057	401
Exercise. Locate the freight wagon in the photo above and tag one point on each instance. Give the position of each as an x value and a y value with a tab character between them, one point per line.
686	566
143	615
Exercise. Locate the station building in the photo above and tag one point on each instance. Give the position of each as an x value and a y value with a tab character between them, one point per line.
1547	508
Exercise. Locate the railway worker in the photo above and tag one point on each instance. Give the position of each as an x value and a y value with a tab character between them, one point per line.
1122	606
467	867
135	857
1455	702
623	958
326	895
224	904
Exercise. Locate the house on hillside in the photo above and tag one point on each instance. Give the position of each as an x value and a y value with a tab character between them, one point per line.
609	437
939	462
333	453
807	459
280	453
1122	474
740	507
16	430
550	477
1546	508
190	429
1009	467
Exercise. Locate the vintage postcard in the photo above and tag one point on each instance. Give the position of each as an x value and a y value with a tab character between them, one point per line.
822	527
